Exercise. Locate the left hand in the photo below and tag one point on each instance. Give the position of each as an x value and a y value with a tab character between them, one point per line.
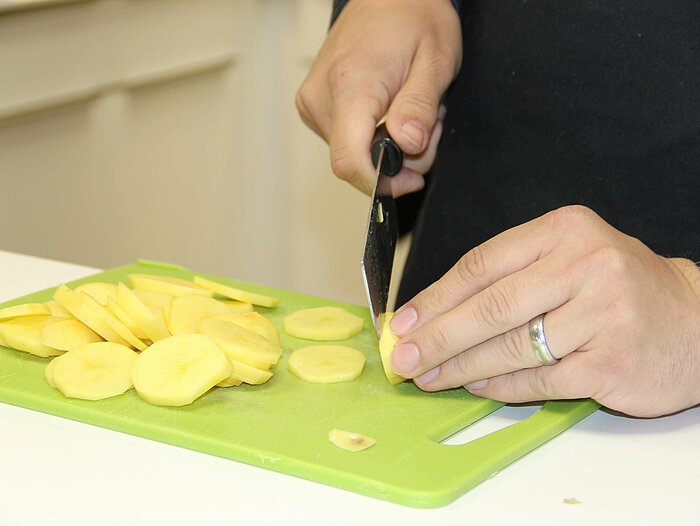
624	321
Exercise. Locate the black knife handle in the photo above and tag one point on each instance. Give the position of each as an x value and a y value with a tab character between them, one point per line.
393	156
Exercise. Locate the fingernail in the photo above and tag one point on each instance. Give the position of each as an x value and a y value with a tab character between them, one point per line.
404	358
414	133
403	321
475	386
429	376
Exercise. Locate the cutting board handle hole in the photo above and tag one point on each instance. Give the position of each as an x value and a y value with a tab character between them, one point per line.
503	417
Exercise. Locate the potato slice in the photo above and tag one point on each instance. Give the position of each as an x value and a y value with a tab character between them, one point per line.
123	317
239	306
253	321
240	344
386	347
230	382
323	324
154	299
187	311
24	334
100	292
179	369
247	373
75	304
166	285
66	335
143	317
58	310
48	373
93	371
111	320
28	309
326	364
350	441
236	294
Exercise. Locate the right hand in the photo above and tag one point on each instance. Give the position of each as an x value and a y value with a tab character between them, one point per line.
393	57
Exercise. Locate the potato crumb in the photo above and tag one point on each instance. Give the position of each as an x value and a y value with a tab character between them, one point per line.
572	500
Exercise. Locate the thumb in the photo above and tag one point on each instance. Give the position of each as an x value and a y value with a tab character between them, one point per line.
414	111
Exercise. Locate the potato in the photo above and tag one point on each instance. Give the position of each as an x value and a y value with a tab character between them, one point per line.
253	321
236	294
112	321
242	372
326	364
187	311
93	372
386	347
100	292
240	344
66	335
24	334
323	324
154	299
141	315
166	285
350	441
28	309
177	370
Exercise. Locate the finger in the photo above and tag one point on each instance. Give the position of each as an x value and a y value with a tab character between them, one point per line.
414	111
509	303
423	162
576	376
567	329
357	107
502	255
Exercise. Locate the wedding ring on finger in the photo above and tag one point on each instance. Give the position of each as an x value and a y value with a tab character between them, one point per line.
538	341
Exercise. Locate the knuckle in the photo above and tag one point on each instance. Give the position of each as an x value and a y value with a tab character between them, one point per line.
343	163
435	341
422	105
472	266
514	347
539	383
496	307
572	217
609	263
463	368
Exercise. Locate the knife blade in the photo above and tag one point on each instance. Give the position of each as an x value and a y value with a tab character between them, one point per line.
382	227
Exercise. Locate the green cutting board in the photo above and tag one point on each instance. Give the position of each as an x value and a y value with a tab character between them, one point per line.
283	425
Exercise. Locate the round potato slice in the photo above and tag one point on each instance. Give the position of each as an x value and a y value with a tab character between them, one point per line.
323	324
66	335
177	370
93	372
326	364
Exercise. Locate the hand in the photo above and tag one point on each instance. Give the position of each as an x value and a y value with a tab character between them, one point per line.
624	321
395	55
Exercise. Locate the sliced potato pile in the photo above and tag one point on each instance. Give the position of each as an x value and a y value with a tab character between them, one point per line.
326	364
189	341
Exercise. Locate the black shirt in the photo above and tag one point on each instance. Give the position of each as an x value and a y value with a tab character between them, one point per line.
589	102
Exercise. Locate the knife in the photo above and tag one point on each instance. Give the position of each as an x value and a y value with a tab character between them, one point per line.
382	227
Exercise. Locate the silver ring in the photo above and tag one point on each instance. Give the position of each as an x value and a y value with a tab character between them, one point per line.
538	341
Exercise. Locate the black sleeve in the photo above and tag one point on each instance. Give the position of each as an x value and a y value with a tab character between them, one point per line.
338	6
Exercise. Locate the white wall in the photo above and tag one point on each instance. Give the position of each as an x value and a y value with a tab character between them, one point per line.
166	129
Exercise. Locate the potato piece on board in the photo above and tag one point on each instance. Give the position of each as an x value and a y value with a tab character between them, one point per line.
75	304
58	310
100	292
350	441
326	364
123	317
240	344
28	309
142	316
236	294
255	322
48	373
242	372
154	299
166	285
66	335
114	323
386	347
24	334
187	311
323	324
93	371
179	369
239	306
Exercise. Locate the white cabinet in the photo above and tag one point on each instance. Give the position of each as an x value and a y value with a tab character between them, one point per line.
166	129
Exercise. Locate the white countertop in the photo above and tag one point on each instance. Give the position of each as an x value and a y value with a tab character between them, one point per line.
56	471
